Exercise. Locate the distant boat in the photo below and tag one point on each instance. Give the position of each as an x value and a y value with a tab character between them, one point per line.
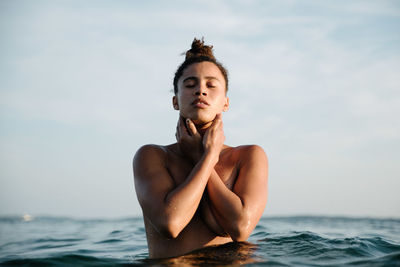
27	218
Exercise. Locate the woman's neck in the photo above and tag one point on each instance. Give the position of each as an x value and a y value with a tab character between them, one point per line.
202	128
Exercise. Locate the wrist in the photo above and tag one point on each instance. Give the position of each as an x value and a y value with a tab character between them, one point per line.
212	155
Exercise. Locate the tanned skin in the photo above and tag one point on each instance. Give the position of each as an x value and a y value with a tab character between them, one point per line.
199	192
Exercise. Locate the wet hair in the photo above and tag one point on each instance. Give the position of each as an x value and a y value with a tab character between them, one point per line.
199	53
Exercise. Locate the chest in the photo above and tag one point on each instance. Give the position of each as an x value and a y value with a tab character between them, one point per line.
180	169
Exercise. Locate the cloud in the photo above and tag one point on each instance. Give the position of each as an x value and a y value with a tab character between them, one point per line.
314	83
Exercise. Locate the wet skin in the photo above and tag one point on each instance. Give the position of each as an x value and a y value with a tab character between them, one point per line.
199	192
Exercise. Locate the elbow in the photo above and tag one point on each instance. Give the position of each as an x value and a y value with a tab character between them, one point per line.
169	229
241	230
240	235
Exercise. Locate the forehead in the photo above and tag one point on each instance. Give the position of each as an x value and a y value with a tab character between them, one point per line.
201	70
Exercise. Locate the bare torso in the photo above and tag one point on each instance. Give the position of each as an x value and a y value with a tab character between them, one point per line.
199	192
203	230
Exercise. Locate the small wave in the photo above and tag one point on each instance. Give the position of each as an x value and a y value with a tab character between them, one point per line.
291	241
43	243
314	248
56	240
70	260
392	259
116	232
109	241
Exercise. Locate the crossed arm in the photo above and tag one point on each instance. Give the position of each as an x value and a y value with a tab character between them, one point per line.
238	211
170	208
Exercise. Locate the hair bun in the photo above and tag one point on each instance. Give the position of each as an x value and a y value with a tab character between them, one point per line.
199	49
197	54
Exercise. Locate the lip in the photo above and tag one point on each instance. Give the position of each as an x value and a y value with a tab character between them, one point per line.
200	103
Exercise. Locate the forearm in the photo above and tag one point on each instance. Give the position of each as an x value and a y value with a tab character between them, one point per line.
182	202
228	208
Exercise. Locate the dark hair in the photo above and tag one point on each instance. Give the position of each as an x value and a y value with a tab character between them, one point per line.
199	53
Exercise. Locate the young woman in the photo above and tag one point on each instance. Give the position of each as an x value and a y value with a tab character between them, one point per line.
198	191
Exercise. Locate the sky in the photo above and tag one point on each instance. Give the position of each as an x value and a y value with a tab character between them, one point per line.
84	84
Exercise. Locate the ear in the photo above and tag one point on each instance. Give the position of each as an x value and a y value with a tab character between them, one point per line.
175	103
226	105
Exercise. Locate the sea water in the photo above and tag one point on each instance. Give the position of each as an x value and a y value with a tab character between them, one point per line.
276	241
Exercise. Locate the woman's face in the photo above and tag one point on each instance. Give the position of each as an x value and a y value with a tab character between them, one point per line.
201	93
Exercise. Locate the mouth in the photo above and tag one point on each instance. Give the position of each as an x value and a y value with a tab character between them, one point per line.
200	103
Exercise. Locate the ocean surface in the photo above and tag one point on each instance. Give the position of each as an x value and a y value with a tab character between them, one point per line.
276	241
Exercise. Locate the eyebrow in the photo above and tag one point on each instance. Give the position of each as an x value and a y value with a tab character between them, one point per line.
196	79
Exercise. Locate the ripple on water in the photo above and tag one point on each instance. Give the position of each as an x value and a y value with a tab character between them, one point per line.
280	241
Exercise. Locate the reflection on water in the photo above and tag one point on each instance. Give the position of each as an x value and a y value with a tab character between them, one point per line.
234	253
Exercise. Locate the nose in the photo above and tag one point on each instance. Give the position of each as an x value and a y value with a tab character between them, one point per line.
201	90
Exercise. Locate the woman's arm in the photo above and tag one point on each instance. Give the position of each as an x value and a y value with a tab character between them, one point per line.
168	207
238	211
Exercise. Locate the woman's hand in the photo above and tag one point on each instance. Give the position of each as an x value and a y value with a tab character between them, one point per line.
193	145
213	139
189	140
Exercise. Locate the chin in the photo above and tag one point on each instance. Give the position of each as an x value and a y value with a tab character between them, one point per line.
199	120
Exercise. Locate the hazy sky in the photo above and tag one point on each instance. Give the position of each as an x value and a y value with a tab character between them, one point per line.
83	84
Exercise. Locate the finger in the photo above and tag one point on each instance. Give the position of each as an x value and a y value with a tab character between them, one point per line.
192	128
217	121
218	117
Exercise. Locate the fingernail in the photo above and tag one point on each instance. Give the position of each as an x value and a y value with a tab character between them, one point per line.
187	121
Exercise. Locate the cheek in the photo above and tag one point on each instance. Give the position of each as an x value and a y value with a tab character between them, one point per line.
221	102
184	94
179	98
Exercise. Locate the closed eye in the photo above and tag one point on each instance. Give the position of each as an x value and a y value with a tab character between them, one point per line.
191	85
211	85
190	82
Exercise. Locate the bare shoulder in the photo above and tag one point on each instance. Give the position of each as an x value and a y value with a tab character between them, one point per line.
250	149
149	150
147	156
246	153
252	180
152	179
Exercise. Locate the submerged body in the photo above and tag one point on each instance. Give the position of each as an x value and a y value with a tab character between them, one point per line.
203	228
199	192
